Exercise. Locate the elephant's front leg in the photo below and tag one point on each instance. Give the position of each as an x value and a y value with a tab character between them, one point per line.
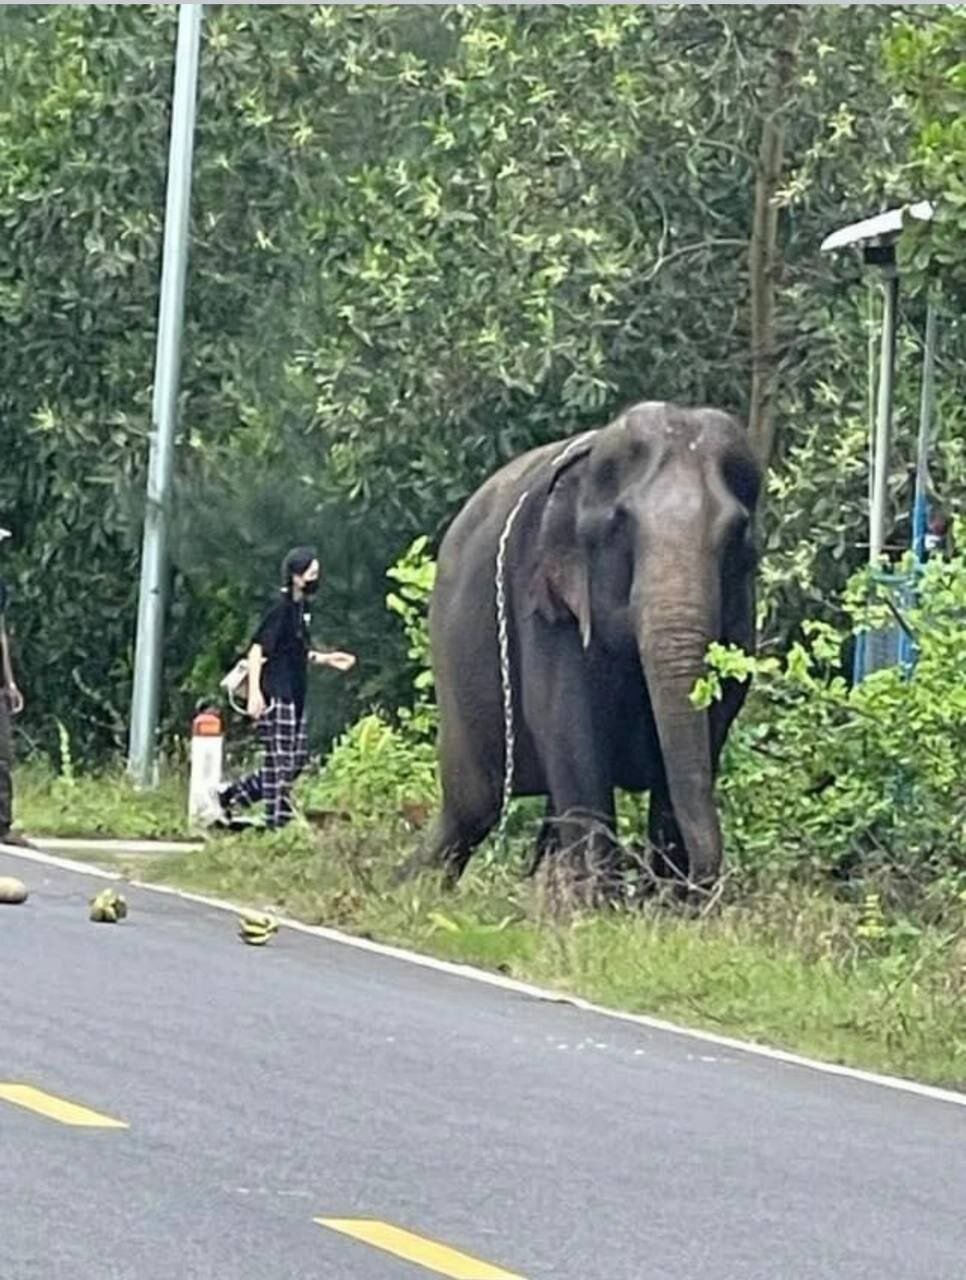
575	827
581	822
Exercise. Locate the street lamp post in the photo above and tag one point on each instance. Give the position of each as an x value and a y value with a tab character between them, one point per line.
154	554
877	238
927	409
883	418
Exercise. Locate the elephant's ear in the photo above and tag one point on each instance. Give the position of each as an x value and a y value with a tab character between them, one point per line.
562	588
560	581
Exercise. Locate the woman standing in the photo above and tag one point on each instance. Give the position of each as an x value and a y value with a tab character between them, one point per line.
277	664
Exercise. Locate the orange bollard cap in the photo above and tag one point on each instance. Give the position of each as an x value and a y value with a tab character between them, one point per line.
207	724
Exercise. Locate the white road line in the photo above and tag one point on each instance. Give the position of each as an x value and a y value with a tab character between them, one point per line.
932	1092
61	844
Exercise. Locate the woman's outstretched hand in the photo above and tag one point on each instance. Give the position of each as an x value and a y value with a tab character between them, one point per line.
336	659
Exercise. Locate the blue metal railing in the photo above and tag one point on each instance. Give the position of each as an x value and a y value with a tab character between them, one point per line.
890	646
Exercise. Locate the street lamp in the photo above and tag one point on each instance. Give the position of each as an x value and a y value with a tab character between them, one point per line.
877	238
146	694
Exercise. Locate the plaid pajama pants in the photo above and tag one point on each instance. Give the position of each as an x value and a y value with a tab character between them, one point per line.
281	731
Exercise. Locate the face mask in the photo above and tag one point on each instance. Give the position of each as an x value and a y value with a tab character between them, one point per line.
310	588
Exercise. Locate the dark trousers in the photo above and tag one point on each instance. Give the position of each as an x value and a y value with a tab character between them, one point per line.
6	764
281	731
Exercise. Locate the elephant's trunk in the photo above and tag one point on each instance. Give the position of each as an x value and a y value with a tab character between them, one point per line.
673	638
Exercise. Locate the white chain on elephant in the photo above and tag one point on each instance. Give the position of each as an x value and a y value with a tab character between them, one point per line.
506	679
503	640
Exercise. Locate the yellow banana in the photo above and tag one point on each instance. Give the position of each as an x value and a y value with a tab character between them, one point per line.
107	907
258	920
256	927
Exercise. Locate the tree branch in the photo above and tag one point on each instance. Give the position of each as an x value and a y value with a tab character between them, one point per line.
763	260
716	243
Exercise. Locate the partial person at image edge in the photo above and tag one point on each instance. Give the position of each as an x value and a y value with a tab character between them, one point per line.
11	704
278	661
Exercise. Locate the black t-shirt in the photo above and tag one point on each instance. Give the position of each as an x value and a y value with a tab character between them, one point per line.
283	634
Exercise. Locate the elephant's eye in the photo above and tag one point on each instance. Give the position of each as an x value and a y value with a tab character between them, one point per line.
606	527
605	477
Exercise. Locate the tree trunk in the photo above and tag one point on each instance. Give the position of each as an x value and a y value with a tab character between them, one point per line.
764	264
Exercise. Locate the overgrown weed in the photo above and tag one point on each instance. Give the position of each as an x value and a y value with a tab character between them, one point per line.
98	805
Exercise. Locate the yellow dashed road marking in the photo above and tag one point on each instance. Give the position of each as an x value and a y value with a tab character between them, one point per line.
59	1109
412	1248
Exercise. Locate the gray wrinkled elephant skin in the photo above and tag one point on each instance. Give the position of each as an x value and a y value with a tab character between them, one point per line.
632	550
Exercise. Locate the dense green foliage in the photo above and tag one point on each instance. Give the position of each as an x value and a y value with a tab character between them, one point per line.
929	62
423	238
383	766
821	778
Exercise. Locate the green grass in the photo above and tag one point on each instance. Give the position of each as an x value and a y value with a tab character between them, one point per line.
103	805
789	966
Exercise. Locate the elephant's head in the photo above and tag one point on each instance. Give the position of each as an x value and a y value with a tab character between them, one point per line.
646	542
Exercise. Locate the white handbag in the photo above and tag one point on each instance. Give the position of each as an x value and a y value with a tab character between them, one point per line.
235	684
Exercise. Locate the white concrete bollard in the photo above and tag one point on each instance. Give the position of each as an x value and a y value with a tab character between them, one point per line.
207	751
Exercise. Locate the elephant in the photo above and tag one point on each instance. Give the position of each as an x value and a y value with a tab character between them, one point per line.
624	552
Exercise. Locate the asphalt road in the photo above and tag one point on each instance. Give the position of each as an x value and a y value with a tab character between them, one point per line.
263	1089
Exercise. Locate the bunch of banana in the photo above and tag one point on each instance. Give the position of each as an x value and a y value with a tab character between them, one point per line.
256	927
108	907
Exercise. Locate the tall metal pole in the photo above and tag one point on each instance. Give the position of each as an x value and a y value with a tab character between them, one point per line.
883	426
927	403
154	554
871	355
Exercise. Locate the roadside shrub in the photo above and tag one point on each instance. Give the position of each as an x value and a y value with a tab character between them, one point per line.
853	781
382	766
415	574
377	770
